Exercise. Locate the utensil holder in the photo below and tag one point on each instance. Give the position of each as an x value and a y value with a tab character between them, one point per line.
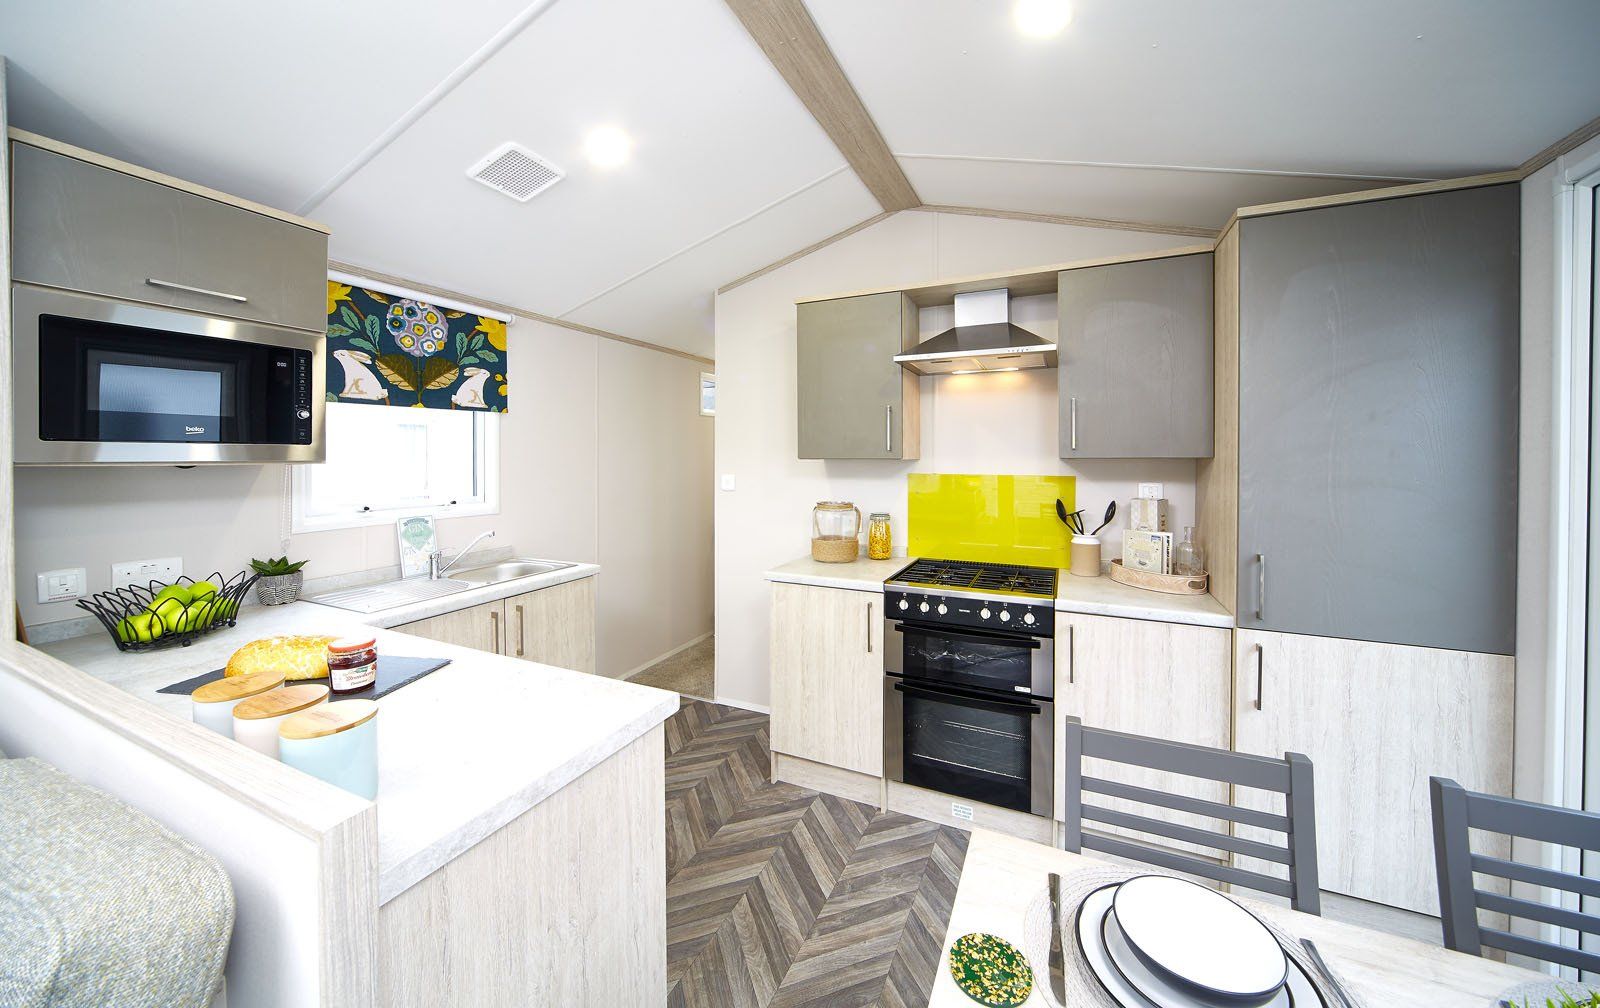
1085	556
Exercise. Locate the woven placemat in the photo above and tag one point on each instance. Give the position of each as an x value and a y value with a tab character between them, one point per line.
1537	991
1082	987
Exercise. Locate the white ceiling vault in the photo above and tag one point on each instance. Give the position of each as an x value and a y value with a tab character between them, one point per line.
366	114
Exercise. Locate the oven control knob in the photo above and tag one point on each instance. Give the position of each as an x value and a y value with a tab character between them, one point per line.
1005	615
923	607
904	604
1028	618
943	608
984	612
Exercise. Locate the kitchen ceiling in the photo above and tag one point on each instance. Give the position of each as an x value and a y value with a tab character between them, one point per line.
366	115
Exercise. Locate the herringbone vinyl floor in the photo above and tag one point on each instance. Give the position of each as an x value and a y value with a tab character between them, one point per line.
779	897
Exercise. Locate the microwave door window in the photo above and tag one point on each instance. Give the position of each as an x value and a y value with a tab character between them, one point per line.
142	402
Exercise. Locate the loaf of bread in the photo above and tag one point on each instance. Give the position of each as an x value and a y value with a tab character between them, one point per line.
297	657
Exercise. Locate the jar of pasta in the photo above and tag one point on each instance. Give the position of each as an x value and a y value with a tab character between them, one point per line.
879	538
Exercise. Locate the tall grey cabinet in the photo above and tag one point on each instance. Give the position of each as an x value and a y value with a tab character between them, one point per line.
1135	359
1378	397
854	401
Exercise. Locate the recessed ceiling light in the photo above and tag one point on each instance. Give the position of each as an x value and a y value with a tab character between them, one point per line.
607	146
1041	19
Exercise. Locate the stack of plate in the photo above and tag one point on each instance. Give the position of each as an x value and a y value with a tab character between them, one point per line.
1161	942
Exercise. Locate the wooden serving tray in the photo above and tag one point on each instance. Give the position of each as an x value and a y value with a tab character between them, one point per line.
1171	584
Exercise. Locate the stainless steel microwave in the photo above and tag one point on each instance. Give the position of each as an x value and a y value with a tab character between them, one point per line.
99	380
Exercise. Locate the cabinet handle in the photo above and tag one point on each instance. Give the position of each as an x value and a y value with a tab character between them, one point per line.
1072	654
522	630
1072	420
888	428
1261	586
1261	677
869	628
494	621
170	285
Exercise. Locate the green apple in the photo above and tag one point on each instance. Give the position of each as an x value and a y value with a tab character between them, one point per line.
140	627
179	592
202	590
170	613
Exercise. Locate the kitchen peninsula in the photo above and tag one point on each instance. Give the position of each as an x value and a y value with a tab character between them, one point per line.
490	769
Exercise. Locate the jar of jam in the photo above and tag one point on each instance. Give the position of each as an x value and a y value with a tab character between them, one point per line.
352	664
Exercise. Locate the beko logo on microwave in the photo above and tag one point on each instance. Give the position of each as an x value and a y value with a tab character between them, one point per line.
189	429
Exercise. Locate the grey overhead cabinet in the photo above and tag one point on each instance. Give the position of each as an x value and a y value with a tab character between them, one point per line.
1135	359
1378	379
854	401
82	226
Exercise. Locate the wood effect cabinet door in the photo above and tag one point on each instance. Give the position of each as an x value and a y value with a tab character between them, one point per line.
1378	376
854	401
553	626
481	627
1135	359
827	676
1163	680
1376	720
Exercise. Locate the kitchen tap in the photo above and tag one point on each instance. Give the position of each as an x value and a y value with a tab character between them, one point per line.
435	572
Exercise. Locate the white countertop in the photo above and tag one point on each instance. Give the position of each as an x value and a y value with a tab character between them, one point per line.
1003	877
452	767
1098	596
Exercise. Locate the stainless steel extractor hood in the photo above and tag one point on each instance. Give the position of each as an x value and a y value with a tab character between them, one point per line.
984	339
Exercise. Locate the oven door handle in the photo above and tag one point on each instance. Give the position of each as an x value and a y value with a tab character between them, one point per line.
970	699
1031	643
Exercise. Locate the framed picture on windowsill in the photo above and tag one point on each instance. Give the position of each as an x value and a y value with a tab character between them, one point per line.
417	540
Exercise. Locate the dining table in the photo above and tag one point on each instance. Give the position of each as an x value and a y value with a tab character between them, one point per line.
1003	888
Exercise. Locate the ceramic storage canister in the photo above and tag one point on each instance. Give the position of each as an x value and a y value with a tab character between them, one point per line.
256	720
337	742
212	704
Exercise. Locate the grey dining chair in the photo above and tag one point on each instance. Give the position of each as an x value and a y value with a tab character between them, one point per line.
1456	811
1289	776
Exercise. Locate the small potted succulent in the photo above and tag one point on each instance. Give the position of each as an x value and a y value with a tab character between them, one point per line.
279	582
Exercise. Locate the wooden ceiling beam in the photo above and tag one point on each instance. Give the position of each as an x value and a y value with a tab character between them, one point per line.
785	32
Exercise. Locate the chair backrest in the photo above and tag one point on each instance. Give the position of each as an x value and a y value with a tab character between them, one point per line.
1289	776
1456	811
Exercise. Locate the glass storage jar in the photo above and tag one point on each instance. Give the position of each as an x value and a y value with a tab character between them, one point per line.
879	537
835	526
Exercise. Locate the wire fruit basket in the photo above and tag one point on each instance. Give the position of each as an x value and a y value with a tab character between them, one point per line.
163	616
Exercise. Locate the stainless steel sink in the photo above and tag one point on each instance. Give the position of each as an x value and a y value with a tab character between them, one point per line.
508	570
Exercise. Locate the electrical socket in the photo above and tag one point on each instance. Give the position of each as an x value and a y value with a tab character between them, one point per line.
63	585
1150	490
165	570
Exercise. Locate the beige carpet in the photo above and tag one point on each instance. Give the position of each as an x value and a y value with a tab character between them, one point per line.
690	672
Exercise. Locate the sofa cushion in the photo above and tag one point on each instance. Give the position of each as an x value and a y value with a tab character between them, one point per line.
141	916
32	945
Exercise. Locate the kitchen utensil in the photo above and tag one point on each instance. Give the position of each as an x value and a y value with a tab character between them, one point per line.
1061	512
1058	960
1111	512
1327	974
1200	937
1297	992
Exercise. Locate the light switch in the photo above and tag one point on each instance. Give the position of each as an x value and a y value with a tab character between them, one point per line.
727	481
62	585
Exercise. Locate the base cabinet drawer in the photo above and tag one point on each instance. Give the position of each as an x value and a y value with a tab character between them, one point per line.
827	676
1376	720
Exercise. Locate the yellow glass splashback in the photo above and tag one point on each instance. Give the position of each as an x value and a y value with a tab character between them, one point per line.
1000	519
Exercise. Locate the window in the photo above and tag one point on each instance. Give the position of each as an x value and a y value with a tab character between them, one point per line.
708	394
385	462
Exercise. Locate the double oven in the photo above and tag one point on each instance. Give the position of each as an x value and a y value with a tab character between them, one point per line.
968	684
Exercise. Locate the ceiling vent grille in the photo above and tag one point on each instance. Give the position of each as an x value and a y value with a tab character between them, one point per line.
516	171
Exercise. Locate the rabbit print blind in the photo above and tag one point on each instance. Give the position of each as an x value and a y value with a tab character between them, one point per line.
391	350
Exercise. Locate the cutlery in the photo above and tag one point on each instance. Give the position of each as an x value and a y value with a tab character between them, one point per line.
1327	974
1058	962
1111	512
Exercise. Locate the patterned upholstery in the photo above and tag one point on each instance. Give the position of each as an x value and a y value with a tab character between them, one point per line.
99	904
